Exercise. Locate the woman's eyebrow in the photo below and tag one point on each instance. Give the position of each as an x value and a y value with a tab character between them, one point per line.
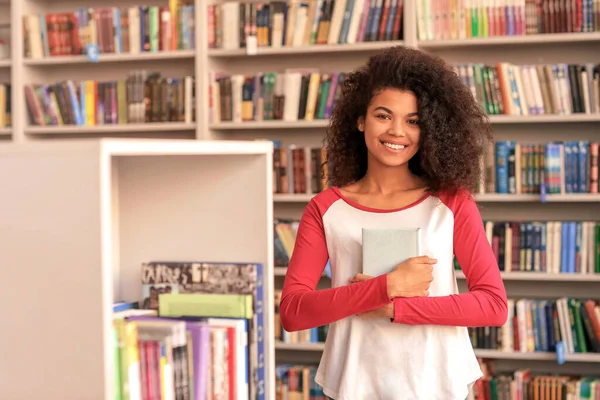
387	110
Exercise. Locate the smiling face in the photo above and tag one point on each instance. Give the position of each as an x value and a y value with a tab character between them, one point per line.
391	128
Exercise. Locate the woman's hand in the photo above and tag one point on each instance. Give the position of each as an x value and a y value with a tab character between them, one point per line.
411	278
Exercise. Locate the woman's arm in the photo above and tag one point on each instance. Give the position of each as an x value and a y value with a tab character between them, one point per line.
304	307
485	304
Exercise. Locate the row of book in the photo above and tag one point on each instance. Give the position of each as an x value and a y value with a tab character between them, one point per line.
542	89
297	382
552	168
524	384
285	231
313	335
196	333
299	169
296	94
287	23
141	97
5	105
553	247
563	326
509	167
310	94
116	30
485	18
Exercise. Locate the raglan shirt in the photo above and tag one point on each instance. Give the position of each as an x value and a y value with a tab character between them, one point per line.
424	353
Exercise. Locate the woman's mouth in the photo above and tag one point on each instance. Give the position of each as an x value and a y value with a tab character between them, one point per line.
394	146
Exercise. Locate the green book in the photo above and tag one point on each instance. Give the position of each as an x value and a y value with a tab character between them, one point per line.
205	305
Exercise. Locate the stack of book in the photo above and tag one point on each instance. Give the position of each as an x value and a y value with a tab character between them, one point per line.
197	333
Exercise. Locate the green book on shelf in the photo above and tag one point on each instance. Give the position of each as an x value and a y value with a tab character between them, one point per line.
205	305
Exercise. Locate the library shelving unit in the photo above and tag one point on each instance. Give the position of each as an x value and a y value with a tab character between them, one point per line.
81	217
122	96
546	48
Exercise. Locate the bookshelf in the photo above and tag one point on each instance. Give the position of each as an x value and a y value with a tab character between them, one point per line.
116	80
553	47
109	205
540	48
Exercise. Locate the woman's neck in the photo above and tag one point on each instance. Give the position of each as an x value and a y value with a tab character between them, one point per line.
388	180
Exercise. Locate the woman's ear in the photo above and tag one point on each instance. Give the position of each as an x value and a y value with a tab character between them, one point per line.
360	124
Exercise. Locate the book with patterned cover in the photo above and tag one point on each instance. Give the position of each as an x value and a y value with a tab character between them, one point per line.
384	249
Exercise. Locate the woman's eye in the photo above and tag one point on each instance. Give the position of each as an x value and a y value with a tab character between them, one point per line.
383	116
413	121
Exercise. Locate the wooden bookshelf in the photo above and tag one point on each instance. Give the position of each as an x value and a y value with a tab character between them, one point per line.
82	217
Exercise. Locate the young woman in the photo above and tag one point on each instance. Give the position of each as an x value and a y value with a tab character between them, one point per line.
403	150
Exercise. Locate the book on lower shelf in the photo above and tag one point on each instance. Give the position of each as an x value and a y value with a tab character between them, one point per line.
297	382
544	326
525	383
197	333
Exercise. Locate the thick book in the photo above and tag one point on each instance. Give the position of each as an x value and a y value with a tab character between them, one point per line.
384	249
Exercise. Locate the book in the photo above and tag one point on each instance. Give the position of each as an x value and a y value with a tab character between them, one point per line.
384	249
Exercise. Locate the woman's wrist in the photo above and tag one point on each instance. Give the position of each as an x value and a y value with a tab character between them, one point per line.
391	285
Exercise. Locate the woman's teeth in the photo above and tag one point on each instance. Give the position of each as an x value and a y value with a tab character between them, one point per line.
393	146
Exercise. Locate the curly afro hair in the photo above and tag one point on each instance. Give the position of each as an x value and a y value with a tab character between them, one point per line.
455	131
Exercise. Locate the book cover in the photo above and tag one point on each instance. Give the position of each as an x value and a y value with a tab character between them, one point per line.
384	249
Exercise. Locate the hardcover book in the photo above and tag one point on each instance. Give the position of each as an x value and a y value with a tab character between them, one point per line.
384	249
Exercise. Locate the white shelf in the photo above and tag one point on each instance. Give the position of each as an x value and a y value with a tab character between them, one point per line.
110	128
540	119
5	63
482	198
543	277
313	49
551	198
547	39
491	354
292	198
281	271
514	276
5	132
300	346
82	216
112	58
318	124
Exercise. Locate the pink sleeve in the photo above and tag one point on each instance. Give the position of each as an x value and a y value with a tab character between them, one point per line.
485	303
304	307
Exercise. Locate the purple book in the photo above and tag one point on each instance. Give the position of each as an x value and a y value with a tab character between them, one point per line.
200	333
